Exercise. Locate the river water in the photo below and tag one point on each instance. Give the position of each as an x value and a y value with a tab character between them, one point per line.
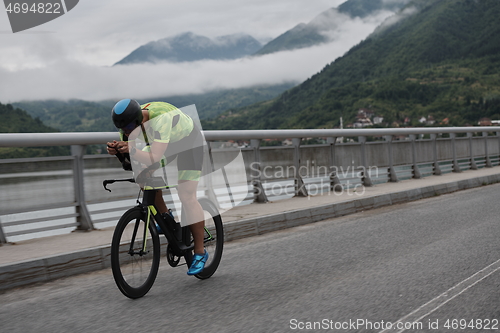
29	195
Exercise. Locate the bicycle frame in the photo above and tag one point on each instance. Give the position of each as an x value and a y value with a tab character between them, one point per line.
177	239
135	273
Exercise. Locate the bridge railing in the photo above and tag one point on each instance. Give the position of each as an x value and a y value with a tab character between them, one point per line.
40	196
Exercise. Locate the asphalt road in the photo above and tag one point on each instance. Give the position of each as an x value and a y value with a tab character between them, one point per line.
432	265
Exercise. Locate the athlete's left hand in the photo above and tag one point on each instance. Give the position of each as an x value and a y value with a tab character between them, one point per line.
122	147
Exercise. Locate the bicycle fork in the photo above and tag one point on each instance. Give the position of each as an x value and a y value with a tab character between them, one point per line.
144	239
149	211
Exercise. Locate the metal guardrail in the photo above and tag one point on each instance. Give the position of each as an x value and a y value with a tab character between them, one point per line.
78	141
87	138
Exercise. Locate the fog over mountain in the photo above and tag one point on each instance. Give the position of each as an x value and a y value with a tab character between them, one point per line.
52	65
330	24
325	27
434	59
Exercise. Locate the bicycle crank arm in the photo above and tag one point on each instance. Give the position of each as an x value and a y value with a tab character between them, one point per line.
180	249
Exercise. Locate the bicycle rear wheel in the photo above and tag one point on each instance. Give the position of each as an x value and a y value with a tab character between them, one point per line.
213	240
135	253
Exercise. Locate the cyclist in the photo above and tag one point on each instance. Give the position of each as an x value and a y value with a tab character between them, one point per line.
173	135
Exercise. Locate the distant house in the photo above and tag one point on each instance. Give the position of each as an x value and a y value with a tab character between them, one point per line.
378	119
430	120
363	118
485	122
363	122
422	120
365	113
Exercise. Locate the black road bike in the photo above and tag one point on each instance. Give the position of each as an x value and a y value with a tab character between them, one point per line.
136	247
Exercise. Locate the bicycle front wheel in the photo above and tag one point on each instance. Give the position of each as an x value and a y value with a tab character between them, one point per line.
135	253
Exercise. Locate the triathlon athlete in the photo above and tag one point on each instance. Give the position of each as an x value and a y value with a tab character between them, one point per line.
170	134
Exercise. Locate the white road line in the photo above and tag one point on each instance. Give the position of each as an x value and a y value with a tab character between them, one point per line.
64	6
439	301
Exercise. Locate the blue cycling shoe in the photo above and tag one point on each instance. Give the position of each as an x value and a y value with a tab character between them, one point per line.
198	263
159	230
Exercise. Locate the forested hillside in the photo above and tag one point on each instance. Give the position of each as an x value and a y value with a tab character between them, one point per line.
15	120
84	116
441	59
72	115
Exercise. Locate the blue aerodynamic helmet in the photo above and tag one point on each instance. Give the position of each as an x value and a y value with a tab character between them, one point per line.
127	114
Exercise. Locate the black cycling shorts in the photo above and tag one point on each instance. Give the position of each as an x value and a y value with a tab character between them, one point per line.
189	153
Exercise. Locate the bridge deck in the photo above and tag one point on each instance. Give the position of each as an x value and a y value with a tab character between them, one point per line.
45	259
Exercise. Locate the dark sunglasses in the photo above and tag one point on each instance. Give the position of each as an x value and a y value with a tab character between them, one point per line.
130	127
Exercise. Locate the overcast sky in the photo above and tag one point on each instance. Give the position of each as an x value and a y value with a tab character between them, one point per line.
71	56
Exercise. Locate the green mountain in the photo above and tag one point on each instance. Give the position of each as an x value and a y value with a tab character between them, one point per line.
71	116
15	120
85	116
190	47
317	30
436	57
212	104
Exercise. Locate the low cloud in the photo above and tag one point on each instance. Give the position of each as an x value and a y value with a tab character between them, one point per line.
335	25
61	74
393	19
70	79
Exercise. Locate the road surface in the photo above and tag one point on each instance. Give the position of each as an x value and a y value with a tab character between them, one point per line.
427	266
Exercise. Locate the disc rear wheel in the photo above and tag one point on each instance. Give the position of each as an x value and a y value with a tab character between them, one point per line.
213	239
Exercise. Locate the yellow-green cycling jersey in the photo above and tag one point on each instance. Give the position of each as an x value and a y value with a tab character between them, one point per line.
166	123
